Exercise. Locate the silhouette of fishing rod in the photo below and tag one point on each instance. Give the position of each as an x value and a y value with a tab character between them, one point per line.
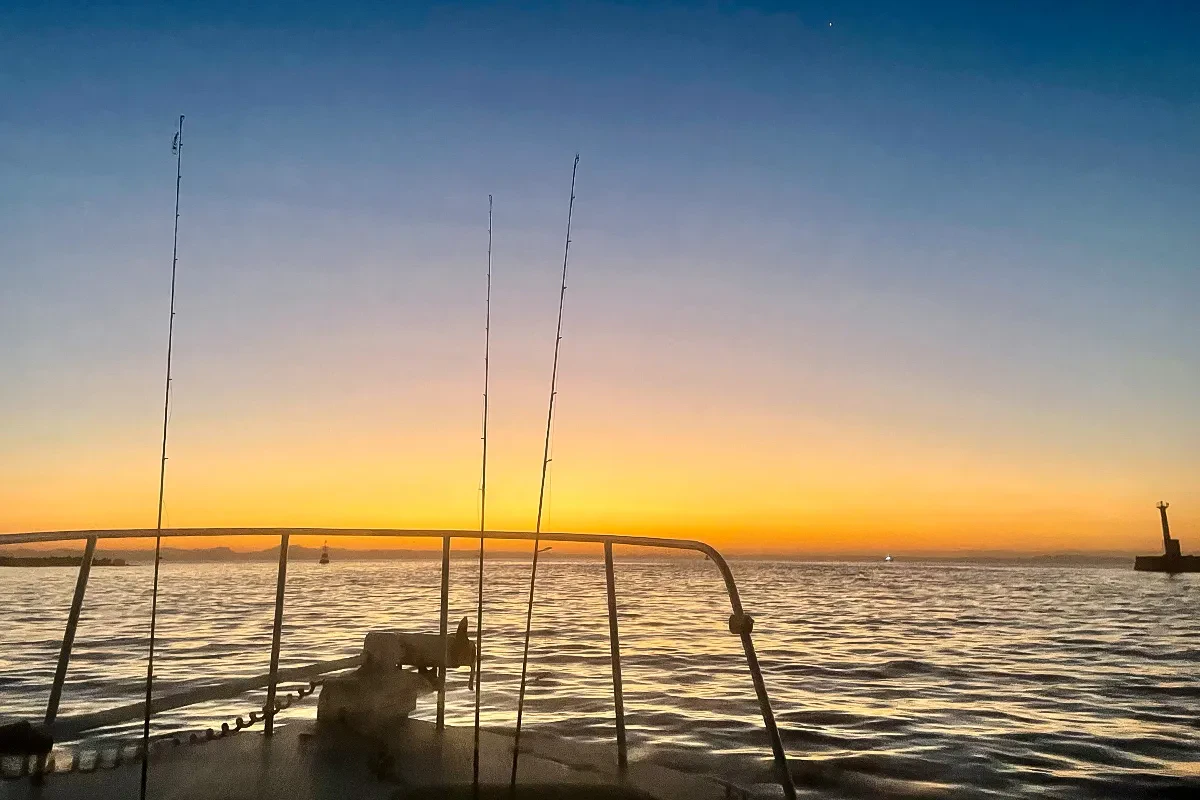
487	347
542	491
177	149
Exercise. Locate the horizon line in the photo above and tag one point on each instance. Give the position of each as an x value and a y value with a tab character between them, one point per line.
425	533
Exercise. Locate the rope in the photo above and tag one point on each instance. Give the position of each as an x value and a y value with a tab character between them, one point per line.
111	755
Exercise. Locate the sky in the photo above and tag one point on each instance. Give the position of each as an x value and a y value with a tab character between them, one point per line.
844	276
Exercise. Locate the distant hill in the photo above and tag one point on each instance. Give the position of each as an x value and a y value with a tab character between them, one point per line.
1103	558
518	549
225	554
58	561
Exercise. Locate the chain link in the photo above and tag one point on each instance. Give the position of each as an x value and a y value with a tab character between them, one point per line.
111	755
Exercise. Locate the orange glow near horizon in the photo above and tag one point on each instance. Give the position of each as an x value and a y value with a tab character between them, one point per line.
681	415
742	488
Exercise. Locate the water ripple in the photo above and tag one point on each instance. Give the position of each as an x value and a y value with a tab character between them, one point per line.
901	680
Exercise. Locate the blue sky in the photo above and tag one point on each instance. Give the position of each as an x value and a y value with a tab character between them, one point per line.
949	228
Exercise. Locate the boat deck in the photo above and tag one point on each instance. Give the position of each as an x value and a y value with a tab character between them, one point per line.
304	761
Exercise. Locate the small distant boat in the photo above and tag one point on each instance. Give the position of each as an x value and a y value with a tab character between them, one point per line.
1171	560
325	553
887	558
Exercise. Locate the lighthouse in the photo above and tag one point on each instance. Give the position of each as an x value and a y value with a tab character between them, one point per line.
1170	560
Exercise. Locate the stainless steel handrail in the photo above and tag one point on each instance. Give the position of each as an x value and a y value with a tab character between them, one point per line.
740	623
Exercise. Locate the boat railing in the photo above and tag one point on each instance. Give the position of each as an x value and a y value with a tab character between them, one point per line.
741	624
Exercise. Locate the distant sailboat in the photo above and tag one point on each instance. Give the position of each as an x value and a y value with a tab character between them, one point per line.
325	553
887	558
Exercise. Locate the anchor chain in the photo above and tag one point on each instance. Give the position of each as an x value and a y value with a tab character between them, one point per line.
122	750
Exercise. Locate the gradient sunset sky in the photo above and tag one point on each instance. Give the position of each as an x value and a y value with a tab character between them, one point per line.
917	280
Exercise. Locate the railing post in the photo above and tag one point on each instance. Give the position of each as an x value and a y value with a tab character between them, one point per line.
276	632
614	646
64	653
741	624
764	705
443	627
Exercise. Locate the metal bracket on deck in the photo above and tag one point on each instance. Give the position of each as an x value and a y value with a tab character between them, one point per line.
382	690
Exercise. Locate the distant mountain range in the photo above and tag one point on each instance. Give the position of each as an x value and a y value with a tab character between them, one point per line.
516	549
225	554
57	561
1100	558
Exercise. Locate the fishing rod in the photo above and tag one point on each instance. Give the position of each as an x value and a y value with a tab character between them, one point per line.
542	491
487	348
177	148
